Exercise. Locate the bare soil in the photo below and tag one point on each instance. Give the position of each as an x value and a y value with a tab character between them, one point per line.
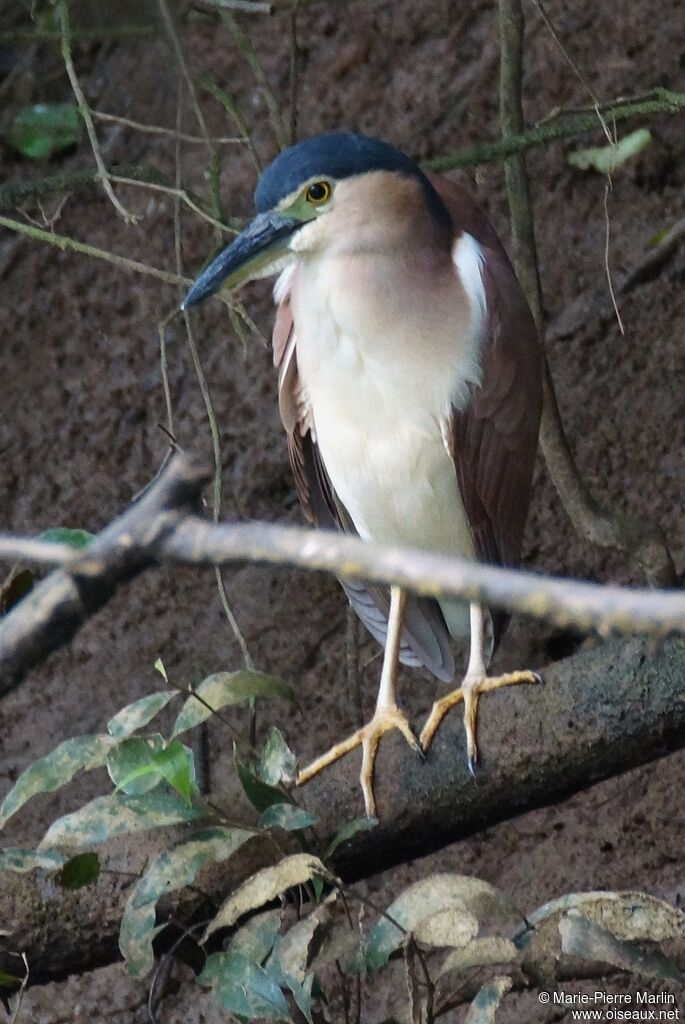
81	399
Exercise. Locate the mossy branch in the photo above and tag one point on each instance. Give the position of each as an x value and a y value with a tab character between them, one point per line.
563	125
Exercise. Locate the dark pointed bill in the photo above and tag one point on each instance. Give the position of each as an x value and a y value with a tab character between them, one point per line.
262	242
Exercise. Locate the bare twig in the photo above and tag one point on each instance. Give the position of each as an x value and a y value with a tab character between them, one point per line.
244	44
65	243
84	111
154	129
593	302
232	109
562	125
644	542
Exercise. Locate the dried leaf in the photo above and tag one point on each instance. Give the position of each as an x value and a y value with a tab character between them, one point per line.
170	870
606	159
348	830
484	1007
135	716
21	860
627	915
226	688
293	950
277	762
81	753
243	987
256	938
110	816
286	816
265	886
583	938
136	935
429	896
180	865
447	928
480	953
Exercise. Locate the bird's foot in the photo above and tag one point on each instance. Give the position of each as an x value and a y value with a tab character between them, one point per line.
368	738
469	691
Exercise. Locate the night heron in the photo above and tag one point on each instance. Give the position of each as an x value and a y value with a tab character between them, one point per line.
410	388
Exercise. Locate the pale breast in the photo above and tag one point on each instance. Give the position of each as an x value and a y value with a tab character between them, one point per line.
379	366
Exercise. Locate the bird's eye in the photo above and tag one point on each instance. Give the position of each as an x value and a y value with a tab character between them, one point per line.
318	192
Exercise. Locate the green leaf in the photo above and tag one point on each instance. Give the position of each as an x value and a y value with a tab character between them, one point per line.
135	716
177	764
81	870
136	935
62	535
138	765
486	1003
43	129
170	870
81	753
21	860
131	767
243	987
110	816
264	886
257	792
286	816
227	688
277	762
180	865
159	665
9	980
474	900
348	830
606	159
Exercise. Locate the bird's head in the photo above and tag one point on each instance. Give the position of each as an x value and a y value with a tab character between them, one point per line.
337	189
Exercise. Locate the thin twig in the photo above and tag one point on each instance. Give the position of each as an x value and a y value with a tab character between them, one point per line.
182	195
65	243
294	73
214	89
562	125
643	542
154	129
22	989
84	111
245	46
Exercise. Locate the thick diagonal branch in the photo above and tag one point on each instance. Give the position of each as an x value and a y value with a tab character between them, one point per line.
600	713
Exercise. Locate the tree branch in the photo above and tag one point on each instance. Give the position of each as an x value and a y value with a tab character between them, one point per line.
565	124
602	712
644	542
162	527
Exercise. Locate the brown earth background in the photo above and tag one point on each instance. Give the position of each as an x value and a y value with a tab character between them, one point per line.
81	399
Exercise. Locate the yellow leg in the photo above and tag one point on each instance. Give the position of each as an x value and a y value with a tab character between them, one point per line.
387	715
476	681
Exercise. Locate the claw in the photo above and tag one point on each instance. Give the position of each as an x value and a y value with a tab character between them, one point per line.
368	738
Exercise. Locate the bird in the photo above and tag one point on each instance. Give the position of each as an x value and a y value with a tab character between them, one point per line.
410	389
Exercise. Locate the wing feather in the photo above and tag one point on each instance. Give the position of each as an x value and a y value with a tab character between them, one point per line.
493	439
